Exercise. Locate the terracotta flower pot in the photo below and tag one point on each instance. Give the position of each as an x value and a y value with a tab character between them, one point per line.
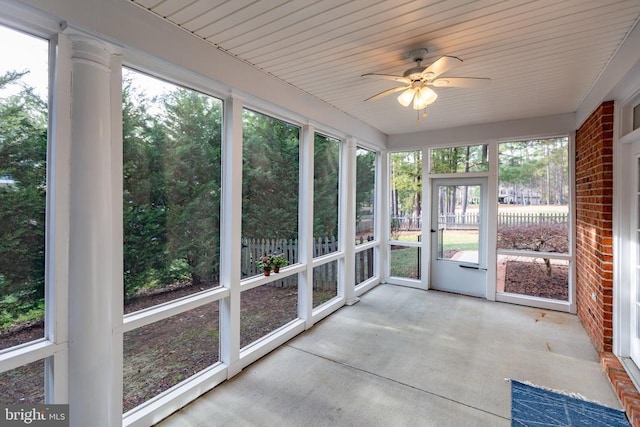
266	272
276	269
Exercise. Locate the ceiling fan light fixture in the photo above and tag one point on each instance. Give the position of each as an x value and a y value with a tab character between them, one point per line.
418	103
424	97
406	97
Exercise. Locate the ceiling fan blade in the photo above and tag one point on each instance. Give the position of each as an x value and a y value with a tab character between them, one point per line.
388	77
442	65
387	92
469	82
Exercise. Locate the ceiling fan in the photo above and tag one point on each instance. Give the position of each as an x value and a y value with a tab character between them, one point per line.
417	81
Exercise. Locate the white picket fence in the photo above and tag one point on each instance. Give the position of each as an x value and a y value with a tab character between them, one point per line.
472	220
519	219
324	277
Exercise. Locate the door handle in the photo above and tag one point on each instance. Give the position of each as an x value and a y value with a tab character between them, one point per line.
433	231
471	267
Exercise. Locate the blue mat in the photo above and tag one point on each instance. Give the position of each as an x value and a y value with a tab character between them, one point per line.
533	406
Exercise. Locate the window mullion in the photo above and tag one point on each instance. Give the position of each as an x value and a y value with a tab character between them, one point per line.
306	240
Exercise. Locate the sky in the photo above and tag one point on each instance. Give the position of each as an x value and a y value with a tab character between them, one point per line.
22	52
151	86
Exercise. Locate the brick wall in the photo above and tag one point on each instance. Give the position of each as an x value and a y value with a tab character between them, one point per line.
594	246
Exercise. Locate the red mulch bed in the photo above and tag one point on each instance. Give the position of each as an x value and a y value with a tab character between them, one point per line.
532	279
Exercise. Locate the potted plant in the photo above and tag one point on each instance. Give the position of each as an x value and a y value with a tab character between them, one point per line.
278	261
265	263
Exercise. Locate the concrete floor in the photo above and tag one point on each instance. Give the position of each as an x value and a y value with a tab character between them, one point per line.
405	357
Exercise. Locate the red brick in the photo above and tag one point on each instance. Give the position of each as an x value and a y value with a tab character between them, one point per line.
623	386
594	251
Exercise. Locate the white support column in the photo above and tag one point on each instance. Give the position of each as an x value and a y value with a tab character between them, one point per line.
347	277
382	215
231	229
117	237
492	223
91	237
305	241
425	233
573	304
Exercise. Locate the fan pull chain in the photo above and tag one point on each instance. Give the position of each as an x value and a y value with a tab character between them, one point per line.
424	115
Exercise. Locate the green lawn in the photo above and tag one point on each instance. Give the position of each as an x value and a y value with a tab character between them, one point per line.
461	240
404	261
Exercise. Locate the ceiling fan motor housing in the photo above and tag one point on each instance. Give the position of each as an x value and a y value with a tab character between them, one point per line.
417	56
414	73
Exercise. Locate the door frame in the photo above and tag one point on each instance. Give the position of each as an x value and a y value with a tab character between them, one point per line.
626	209
626	140
634	224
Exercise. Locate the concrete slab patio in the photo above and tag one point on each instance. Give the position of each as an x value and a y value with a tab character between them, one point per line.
403	356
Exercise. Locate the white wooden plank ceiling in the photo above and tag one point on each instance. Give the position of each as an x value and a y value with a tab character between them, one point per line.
542	56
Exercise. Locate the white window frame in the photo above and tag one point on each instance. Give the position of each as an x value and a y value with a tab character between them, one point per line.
53	347
375	244
568	306
423	282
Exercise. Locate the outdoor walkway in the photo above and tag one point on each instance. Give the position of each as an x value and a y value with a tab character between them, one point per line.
405	357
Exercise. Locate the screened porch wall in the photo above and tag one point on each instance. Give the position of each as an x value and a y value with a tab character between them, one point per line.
89	207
